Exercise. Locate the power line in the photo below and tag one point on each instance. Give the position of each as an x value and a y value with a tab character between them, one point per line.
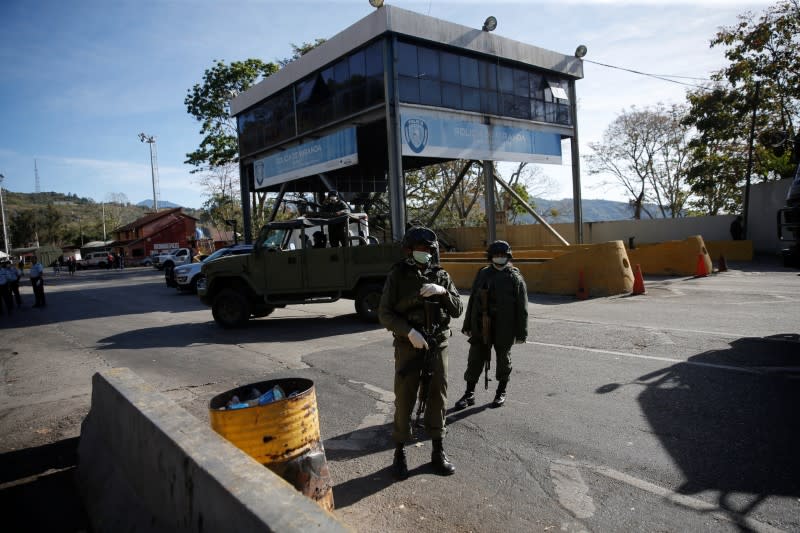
663	77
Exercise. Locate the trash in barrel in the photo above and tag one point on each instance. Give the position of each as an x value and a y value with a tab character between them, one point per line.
276	423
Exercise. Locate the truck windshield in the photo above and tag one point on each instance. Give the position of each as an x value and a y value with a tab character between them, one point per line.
272	238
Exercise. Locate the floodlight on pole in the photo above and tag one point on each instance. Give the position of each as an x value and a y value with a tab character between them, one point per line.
3	210
151	140
489	24
580	51
376	3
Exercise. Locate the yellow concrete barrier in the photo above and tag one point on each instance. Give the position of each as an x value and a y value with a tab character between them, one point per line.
677	258
732	250
605	266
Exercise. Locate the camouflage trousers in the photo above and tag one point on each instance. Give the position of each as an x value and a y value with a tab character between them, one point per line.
478	352
406	389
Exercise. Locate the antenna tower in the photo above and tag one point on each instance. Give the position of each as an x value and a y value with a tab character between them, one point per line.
37	186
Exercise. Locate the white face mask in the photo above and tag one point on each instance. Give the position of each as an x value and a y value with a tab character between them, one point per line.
500	261
421	257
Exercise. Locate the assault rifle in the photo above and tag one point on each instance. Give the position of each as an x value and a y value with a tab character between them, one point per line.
486	332
423	363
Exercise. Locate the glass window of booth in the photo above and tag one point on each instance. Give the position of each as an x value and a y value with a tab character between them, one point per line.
429	75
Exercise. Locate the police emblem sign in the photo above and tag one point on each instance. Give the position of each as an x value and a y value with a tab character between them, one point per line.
452	135
416	134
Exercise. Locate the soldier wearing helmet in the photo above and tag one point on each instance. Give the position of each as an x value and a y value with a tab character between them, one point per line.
334	207
497	316
402	311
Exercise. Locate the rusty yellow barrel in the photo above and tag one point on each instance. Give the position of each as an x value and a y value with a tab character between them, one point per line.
282	435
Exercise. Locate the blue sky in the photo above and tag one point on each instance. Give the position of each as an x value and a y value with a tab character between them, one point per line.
80	79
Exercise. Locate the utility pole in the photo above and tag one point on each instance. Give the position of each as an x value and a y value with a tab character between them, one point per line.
151	140
3	210
38	188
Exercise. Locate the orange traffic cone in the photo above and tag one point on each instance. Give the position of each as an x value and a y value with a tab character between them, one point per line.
722	265
702	270
638	281
582	293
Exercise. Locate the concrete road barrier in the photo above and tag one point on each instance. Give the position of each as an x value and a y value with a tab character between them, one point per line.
605	266
146	464
676	258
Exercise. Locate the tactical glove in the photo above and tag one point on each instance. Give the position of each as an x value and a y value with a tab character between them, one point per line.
417	340
431	289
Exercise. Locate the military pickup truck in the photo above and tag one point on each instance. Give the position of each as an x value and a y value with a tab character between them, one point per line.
287	266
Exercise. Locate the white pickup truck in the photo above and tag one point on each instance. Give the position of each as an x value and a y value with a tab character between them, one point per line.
173	258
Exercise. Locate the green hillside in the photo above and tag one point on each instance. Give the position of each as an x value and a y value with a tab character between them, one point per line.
65	219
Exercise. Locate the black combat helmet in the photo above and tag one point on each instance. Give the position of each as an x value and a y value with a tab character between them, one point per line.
498	248
419	235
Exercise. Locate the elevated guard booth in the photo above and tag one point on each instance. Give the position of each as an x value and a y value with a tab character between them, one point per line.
398	91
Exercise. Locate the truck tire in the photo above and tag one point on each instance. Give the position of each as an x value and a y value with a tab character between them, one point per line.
193	284
230	309
368	297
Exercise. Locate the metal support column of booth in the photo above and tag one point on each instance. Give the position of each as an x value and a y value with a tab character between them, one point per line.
576	165
397	197
244	186
488	189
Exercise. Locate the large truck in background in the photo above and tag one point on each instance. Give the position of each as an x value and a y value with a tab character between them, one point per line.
789	224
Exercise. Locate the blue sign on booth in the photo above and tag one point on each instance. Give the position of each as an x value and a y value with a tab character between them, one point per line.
458	136
337	150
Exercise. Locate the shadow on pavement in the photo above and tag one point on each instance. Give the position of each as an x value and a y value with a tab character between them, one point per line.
732	431
38	489
267	329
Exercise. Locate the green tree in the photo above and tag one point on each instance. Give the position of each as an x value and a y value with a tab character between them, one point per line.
645	151
434	181
763	73
209	103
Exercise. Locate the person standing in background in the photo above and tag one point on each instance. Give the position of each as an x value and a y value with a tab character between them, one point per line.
37	282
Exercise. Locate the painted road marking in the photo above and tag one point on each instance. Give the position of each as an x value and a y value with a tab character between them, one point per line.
571	489
682	500
747	370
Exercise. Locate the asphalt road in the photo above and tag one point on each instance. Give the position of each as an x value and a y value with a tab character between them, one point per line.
671	411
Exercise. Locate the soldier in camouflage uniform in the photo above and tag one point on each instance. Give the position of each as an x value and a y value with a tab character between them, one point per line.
402	311
507	300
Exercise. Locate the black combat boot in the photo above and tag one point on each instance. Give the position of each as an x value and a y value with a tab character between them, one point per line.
468	398
400	465
441	465
500	395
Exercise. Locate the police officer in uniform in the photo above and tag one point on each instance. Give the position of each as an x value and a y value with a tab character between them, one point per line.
506	296
402	311
5	287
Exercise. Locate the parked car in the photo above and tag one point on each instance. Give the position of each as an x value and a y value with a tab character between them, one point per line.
185	277
94	259
173	258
